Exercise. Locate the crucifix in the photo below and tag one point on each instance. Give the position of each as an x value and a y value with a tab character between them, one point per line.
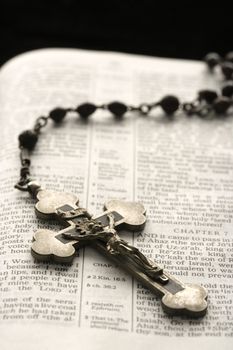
101	232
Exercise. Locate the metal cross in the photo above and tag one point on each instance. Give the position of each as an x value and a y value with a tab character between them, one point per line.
101	232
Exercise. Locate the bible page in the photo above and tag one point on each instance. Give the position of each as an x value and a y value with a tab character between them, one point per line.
180	168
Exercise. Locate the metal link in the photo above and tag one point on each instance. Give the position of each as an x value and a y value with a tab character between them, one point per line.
144	108
24	157
24	180
103	106
133	108
33	188
40	123
188	108
22	184
198	108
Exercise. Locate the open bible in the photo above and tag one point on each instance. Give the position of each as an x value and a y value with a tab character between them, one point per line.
180	168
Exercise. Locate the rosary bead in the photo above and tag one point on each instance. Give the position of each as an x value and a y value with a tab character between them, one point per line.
229	56
227	89
58	114
221	104
227	69
212	59
207	95
169	104
117	108
86	109
28	139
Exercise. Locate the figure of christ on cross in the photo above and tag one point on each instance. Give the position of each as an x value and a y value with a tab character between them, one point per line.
88	230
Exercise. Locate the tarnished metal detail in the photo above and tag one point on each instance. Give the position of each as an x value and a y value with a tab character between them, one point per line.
25	177
190	301
177	298
92	230
25	157
87	227
47	247
199	108
101	233
133	213
49	201
34	187
40	123
72	214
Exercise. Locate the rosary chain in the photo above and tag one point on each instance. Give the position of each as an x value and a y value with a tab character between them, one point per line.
208	104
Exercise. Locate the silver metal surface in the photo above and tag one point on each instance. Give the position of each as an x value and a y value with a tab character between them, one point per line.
49	201
47	247
133	213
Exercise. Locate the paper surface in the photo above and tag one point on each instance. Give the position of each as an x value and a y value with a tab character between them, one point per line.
180	169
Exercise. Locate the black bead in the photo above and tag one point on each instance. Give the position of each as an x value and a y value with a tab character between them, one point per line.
227	89
58	114
86	109
28	139
212	59
117	108
221	105
229	57
227	69
169	104
207	95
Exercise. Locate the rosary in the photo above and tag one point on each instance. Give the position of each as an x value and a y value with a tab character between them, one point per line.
101	232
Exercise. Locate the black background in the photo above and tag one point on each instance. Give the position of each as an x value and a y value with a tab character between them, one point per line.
145	27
